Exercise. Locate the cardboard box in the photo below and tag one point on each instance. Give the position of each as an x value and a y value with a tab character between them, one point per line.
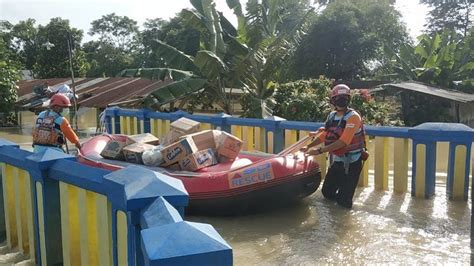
172	137
133	153
205	139
185	125
228	145
113	149
177	151
146	138
198	160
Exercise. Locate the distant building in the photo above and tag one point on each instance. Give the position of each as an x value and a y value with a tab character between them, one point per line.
421	102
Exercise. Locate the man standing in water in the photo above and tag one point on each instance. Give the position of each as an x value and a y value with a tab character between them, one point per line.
344	138
51	127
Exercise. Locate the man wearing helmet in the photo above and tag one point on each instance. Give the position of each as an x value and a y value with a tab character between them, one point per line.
344	138
51	128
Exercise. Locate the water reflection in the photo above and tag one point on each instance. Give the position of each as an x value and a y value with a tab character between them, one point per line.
382	228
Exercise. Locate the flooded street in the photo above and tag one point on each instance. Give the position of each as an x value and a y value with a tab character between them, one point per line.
381	228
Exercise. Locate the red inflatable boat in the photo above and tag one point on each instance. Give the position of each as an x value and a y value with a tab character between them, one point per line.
254	181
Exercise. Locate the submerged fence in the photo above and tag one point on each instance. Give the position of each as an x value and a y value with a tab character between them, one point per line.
61	212
273	134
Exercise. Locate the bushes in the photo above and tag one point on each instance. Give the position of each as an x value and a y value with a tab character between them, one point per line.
308	100
303	100
8	88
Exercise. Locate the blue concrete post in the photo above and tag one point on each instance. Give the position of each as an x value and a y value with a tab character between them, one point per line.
39	163
185	243
146	120
132	189
472	215
3	232
424	161
220	120
109	113
460	138
158	213
458	175
272	124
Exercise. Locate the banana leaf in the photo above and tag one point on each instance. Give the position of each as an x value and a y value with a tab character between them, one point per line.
173	57
467	68
156	73
210	64
175	91
193	19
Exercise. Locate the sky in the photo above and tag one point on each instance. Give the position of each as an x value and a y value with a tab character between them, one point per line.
82	12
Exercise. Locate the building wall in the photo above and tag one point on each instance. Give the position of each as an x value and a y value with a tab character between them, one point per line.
466	113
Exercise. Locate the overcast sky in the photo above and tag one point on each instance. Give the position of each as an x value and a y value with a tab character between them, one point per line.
82	12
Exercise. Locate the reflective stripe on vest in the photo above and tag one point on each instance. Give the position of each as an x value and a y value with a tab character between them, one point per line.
335	128
46	131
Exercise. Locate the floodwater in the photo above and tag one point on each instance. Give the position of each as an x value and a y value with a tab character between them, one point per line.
382	227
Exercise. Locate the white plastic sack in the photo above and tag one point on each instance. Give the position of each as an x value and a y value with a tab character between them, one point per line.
218	138
66	90
153	157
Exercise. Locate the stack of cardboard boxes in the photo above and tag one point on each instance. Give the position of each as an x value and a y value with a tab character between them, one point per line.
122	147
185	148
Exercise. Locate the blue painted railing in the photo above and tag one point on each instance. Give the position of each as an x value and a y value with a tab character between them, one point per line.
273	134
62	212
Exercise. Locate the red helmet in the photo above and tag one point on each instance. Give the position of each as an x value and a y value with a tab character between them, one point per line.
59	99
340	89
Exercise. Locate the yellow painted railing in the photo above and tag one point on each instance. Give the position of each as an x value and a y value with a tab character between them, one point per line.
86	226
18	207
273	134
61	212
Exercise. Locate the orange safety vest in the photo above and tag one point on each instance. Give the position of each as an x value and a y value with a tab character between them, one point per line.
334	129
46	131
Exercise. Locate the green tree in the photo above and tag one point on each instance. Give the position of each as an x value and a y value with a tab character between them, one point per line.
173	32
24	42
205	70
118	46
53	56
445	60
268	35
348	40
8	78
7	52
453	15
249	57
21	40
119	31
106	60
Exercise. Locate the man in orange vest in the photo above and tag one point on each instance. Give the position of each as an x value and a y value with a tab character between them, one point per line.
51	128
344	138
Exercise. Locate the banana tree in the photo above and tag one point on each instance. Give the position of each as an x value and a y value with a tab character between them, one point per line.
250	57
444	59
190	74
269	34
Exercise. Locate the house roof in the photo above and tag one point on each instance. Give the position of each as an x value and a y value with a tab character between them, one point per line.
93	92
435	91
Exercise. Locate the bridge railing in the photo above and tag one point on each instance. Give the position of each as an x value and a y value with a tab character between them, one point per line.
273	134
62	212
